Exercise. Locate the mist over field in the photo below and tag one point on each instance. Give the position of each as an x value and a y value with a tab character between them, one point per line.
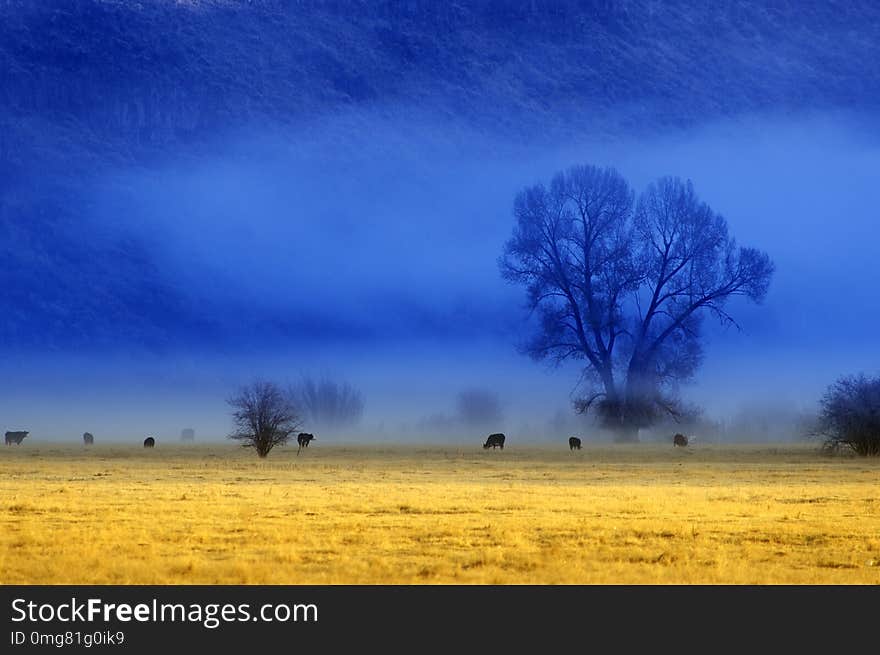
193	195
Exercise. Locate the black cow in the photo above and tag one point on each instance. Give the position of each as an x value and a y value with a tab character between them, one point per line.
88	438
149	442
15	437
303	439
494	440
679	440
574	443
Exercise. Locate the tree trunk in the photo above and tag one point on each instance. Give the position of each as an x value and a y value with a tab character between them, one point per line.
621	423
617	416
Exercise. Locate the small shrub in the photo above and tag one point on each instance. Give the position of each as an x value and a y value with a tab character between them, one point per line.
849	415
263	416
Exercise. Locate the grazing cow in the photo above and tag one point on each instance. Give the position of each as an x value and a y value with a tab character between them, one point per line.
679	440
574	443
187	434
149	442
88	438
15	437
303	439
494	440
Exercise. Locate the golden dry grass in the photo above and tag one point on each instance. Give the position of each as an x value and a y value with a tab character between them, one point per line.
639	514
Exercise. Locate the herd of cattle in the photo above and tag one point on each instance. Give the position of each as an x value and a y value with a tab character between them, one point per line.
304	438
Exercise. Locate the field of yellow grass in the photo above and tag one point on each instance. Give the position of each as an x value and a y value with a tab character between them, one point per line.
335	515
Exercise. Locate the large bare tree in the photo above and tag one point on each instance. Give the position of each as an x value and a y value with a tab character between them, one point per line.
264	416
624	284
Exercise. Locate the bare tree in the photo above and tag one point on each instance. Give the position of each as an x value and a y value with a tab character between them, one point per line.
849	415
263	416
624	285
478	408
329	404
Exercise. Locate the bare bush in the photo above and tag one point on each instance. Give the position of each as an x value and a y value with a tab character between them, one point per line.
264	417
849	415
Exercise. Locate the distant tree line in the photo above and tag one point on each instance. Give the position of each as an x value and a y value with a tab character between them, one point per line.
328	403
475	409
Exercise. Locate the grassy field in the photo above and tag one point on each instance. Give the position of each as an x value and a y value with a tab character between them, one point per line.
334	515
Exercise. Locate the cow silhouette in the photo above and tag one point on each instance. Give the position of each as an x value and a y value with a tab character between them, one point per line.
679	440
574	443
149	442
494	440
88	438
16	437
303	439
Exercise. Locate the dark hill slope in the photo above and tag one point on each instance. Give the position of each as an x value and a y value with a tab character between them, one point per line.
130	75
